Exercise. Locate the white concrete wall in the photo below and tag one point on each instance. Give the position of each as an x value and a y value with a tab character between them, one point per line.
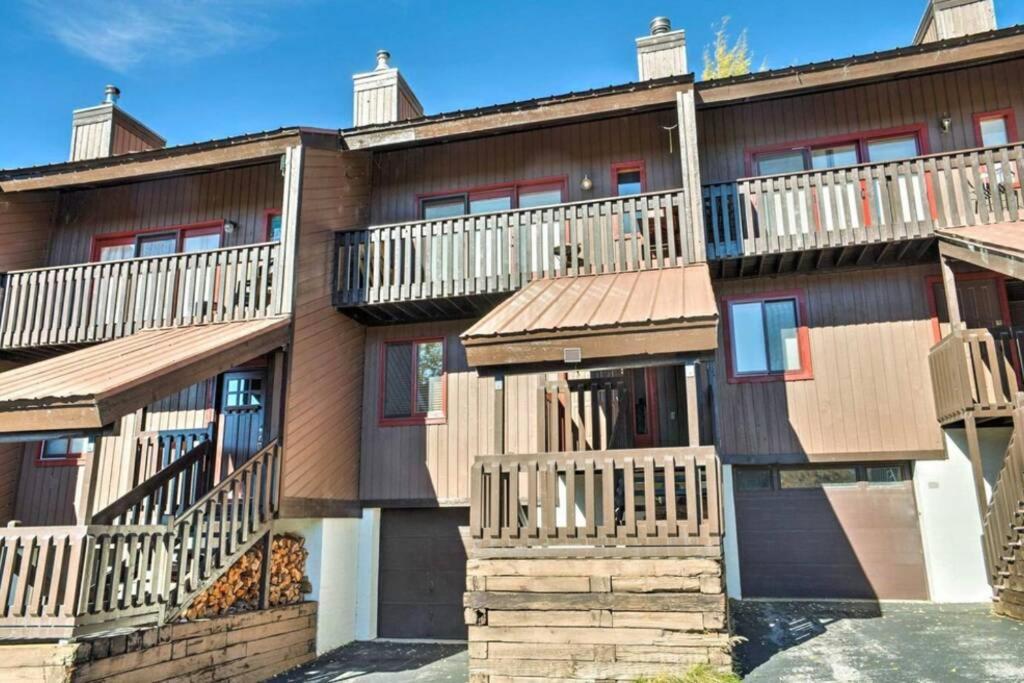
342	568
950	521
731	544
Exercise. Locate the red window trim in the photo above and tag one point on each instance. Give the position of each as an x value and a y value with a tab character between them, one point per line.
69	460
129	236
933	306
495	189
267	216
415	418
1006	114
861	139
635	165
802	338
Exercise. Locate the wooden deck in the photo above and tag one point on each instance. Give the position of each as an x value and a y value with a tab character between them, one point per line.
977	371
94	302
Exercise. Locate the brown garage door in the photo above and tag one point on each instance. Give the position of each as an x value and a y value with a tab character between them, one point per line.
422	574
837	532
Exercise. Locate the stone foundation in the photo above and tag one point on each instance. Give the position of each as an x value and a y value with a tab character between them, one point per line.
594	619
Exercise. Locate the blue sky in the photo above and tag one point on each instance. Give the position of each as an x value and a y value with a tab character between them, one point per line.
201	69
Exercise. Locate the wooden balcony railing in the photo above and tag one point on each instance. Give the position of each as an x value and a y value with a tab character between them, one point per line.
862	204
1004	521
500	252
652	497
976	371
95	302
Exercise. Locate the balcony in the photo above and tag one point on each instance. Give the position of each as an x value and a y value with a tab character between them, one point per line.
976	372
461	266
862	214
95	302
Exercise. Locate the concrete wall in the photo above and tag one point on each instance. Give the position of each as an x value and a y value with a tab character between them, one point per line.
730	544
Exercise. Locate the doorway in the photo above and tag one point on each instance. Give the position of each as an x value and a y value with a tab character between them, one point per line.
242	402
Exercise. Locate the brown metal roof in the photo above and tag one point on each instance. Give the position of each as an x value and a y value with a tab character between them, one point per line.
613	315
91	387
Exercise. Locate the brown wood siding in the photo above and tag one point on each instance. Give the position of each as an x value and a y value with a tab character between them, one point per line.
240	195
426	462
570	150
870	396
724	133
26	223
322	418
49	495
10	469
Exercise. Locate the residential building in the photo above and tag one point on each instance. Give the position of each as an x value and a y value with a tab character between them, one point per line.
557	376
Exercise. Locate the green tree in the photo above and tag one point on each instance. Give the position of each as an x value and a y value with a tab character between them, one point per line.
723	59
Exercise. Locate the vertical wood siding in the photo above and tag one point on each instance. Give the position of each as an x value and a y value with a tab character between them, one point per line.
724	133
870	331
241	195
420	463
26	224
10	469
571	150
322	418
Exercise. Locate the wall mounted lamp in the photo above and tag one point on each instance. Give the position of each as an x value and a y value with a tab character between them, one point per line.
586	184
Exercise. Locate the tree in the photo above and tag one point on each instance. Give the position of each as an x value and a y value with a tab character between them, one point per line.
723	60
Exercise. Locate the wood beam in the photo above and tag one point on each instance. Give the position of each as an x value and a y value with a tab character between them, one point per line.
952	299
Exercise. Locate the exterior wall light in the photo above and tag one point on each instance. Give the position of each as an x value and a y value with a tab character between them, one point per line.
229	227
586	184
945	123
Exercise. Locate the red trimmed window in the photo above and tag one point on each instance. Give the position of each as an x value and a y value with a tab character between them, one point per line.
273	225
518	195
838	151
158	241
995	128
629	177
766	337
64	451
412	382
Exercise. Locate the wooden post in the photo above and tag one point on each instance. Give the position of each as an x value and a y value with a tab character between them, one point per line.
285	269
952	300
499	413
974	453
275	406
267	544
694	251
692	404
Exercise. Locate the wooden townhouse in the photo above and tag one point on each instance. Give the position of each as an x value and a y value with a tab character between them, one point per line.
556	376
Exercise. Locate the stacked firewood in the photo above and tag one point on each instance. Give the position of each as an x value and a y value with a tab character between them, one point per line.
238	590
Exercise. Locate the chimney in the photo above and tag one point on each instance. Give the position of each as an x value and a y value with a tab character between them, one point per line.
105	130
663	53
382	95
945	19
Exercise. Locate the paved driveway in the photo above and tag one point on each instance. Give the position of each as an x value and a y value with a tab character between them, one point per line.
794	642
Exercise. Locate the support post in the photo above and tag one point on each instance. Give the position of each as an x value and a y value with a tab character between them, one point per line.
267	545
974	453
692	404
499	413
952	300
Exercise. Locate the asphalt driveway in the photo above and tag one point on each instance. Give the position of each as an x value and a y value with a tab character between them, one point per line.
794	642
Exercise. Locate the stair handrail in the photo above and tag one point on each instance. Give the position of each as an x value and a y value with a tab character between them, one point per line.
228	481
1005	503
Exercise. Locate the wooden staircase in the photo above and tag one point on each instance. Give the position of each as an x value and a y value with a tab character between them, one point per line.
1004	526
145	557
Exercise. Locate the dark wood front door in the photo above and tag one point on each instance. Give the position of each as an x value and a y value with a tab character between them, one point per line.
242	398
982	301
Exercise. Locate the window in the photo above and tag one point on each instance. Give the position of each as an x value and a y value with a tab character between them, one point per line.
815	477
884	474
518	195
767	338
891	149
752	478
834	157
65	451
147	243
243	392
788	161
629	178
839	151
995	128
413	376
274	225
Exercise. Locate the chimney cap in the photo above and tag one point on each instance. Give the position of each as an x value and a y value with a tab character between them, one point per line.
382	59
660	25
111	94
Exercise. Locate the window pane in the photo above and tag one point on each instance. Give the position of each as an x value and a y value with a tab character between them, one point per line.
780	324
429	377
81	445
54	449
885	474
752	478
116	252
821	476
889	149
398	380
748	341
275	228
628	182
993	131
444	207
158	245
831	157
538	196
490	204
200	242
790	161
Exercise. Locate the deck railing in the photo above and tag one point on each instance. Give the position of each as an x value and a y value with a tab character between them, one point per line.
500	252
651	497
862	204
94	302
976	371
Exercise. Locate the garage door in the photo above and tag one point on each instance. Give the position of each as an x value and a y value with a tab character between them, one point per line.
422	574
833	532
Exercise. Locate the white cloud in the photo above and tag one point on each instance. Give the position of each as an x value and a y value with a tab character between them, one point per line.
122	34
